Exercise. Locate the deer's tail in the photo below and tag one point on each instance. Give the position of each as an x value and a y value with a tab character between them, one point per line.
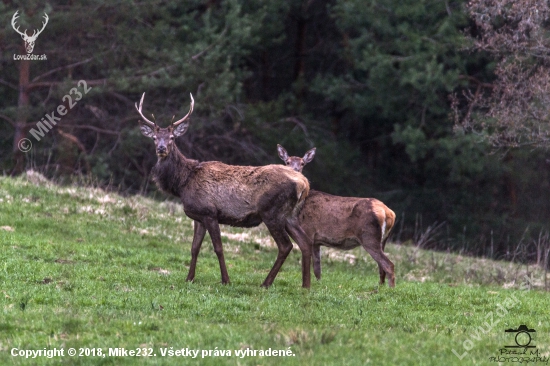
387	226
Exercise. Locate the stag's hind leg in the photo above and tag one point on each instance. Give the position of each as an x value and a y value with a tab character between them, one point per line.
300	237
198	236
284	246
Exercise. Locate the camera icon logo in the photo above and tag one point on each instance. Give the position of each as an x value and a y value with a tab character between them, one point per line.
523	337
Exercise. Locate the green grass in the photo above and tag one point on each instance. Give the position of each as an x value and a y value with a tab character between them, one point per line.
82	268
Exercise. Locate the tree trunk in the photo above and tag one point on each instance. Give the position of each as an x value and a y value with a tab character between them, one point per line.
22	116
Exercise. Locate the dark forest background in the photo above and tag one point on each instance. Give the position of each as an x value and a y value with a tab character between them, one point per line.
368	83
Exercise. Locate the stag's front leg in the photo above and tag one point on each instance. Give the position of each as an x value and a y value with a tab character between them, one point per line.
305	245
214	230
198	236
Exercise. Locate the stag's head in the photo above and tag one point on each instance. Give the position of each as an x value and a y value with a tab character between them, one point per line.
295	162
29	40
164	137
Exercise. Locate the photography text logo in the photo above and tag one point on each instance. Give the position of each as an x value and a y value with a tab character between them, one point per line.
522	351
29	40
50	119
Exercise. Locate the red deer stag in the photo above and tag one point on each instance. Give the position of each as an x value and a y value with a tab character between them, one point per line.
214	193
344	222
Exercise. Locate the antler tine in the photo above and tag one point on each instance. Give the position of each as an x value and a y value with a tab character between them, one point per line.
13	19
188	114
152	124
43	24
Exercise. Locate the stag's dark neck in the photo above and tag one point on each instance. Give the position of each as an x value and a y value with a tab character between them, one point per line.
172	172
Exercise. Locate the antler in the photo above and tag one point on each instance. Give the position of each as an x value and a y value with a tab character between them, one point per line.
13	19
35	34
152	124
174	124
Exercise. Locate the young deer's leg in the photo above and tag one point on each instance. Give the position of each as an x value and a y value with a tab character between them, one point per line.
214	230
375	250
317	261
285	247
382	274
300	237
383	245
198	235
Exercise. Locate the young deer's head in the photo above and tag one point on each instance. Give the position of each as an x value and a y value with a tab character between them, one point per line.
163	137
295	162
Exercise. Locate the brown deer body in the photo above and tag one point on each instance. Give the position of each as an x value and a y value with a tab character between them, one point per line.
214	193
344	222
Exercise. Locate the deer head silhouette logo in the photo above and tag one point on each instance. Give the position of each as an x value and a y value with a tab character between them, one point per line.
29	40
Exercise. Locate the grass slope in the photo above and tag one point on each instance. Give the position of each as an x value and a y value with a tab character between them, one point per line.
84	269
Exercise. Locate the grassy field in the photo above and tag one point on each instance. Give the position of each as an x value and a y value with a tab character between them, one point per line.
83	269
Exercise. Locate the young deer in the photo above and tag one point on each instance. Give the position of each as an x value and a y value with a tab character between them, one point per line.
344	222
214	193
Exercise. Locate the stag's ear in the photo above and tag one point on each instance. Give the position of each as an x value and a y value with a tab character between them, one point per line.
146	130
181	129
308	157
282	153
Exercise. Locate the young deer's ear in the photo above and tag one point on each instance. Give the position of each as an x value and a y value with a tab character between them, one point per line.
146	130
282	153
308	157
181	129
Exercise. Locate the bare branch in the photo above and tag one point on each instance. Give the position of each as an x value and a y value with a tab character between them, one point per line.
55	83
62	68
8	119
14	87
222	34
96	129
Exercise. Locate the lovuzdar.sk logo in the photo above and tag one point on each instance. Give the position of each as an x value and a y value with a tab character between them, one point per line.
29	40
